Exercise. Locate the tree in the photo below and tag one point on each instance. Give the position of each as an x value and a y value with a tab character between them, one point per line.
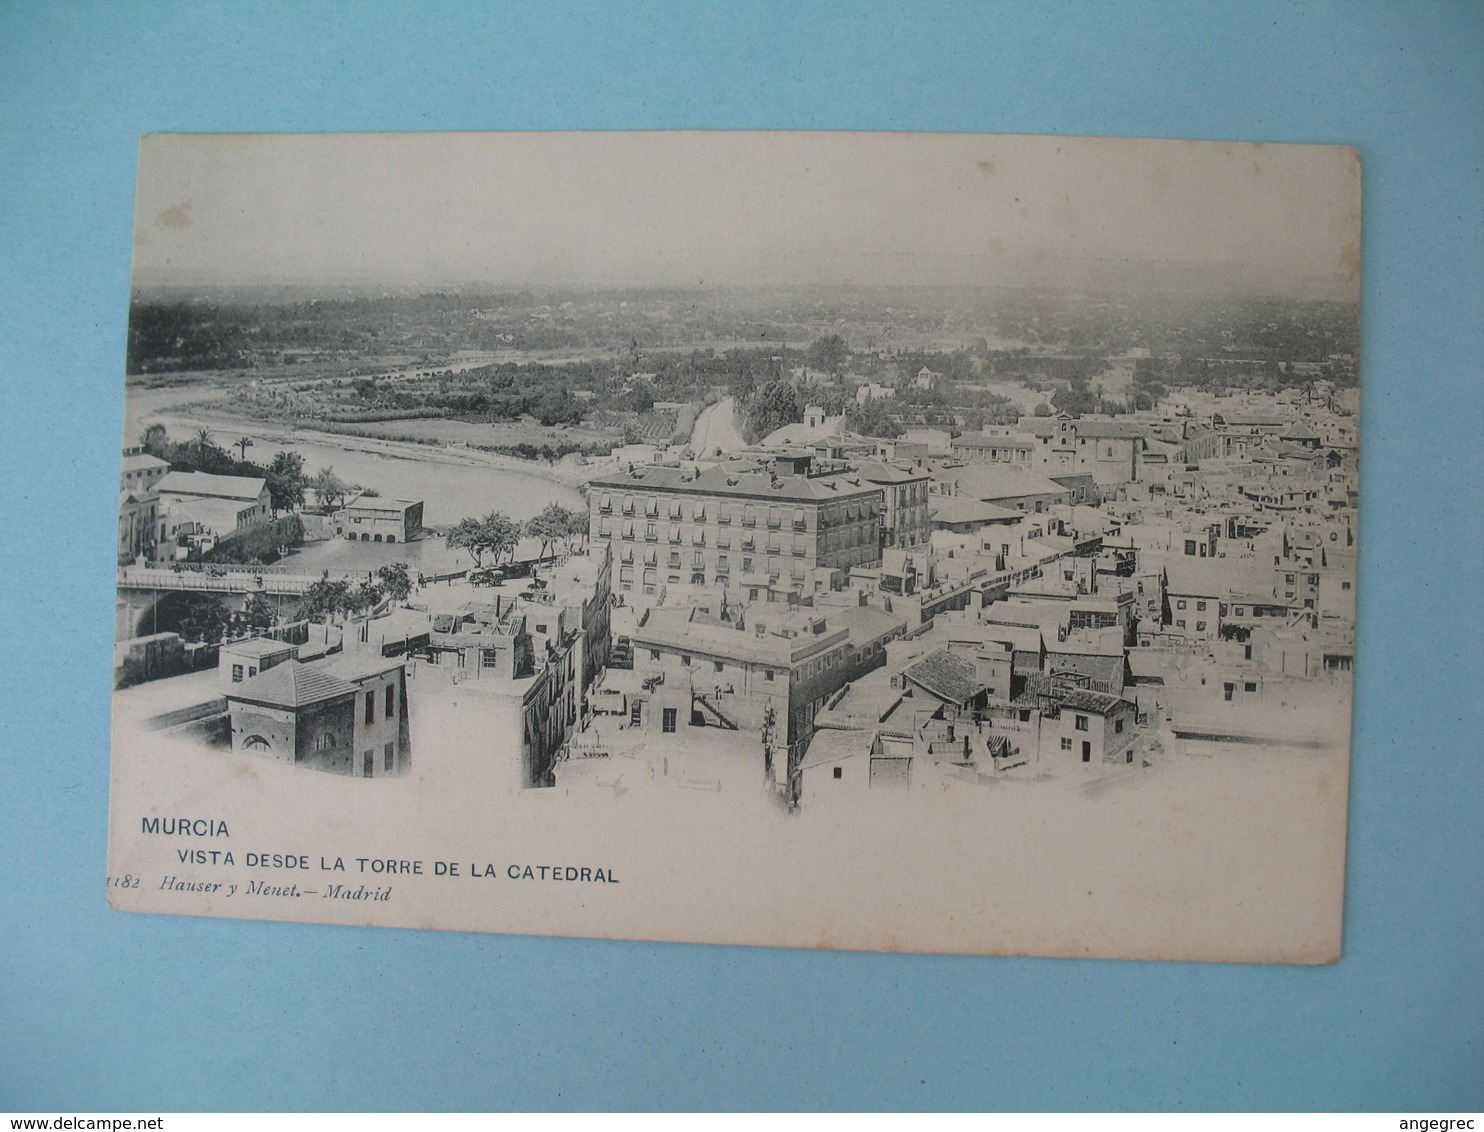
1041	410
156	441
204	618
330	488
549	526
257	615
770	408
286	481
829	353
199	454
324	600
873	419
242	445
1074	401
500	534
576	524
395	581
555	524
467	534
557	406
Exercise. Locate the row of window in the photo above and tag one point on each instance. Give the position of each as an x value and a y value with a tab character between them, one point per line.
749	514
718	666
774	545
651	572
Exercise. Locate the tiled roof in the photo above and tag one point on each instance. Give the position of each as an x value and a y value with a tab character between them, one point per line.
980	440
292	685
742	481
988	482
1095	702
1108	669
951	678
359	664
204	483
963	509
879	471
1215	577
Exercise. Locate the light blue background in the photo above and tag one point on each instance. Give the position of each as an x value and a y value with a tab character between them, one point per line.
108	1011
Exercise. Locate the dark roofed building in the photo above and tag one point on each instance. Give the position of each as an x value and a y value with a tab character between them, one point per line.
950	678
345	716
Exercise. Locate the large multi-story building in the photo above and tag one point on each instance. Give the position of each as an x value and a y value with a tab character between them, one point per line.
905	522
788	524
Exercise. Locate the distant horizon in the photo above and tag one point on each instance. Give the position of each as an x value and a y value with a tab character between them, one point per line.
579	211
371	289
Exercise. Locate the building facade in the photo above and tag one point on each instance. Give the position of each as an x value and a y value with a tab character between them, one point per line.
745	529
347	715
369	519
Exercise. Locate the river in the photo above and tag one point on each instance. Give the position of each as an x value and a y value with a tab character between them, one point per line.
451	482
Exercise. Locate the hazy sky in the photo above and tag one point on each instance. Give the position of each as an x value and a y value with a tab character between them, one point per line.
739	209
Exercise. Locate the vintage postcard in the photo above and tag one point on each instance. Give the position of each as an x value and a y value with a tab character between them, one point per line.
875	541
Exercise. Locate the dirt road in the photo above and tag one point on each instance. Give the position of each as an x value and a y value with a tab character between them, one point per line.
716	430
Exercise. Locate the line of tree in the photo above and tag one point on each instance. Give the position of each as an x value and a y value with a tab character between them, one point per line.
328	600
496	535
554	525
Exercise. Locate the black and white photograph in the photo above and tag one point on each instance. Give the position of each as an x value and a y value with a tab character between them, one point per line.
897	542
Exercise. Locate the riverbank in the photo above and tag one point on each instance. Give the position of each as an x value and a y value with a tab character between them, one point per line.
453	481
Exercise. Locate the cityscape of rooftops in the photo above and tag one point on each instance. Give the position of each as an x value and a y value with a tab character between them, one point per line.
1075	522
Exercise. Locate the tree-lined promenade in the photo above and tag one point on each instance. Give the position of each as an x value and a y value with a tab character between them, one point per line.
497	535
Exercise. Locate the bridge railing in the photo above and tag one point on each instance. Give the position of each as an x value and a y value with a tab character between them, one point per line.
150	579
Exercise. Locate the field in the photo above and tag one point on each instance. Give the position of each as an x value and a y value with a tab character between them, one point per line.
439	430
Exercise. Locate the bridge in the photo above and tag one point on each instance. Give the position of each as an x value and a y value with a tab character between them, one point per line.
231	579
143	591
